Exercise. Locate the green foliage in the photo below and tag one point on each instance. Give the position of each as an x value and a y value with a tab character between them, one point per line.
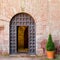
50	44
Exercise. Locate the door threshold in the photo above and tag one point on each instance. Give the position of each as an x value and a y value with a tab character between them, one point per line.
22	55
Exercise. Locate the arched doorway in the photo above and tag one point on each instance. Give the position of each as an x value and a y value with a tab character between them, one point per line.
22	34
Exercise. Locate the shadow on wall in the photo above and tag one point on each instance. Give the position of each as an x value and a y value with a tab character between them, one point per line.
57	45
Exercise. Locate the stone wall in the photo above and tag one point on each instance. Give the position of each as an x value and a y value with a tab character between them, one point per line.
46	14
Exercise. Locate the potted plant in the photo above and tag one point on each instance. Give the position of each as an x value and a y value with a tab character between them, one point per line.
50	47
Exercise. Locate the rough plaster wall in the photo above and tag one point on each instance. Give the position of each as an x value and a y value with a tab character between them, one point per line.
37	9
45	13
54	13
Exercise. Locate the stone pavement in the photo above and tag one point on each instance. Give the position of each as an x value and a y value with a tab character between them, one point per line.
27	58
21	57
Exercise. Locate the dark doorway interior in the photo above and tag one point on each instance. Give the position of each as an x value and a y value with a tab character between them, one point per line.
22	38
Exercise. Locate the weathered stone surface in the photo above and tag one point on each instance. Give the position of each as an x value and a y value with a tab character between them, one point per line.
46	14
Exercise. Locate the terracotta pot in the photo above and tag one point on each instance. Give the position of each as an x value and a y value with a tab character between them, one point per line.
50	54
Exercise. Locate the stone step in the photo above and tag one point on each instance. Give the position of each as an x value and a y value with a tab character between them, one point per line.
22	57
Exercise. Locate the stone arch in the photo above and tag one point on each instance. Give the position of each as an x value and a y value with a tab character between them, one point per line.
22	19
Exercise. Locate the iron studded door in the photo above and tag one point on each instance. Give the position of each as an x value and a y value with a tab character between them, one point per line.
22	19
